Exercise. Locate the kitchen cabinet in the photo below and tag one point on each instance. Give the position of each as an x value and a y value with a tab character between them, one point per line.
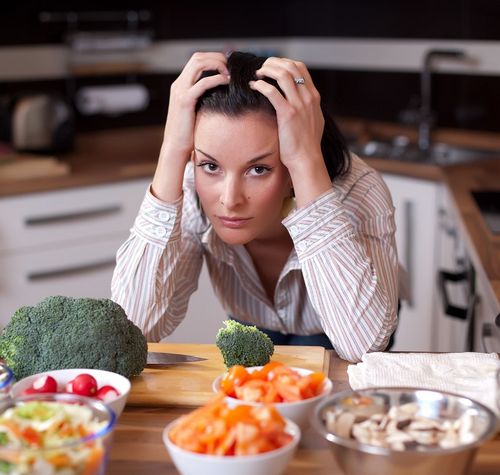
451	331
63	242
416	220
464	305
204	316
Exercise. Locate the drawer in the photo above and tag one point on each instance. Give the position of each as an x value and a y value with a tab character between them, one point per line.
35	220
82	270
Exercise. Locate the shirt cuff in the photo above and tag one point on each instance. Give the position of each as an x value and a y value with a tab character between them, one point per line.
318	224
158	222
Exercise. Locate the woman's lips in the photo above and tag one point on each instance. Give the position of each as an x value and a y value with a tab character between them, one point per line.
233	223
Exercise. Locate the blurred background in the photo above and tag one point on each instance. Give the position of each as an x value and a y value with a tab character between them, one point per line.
413	85
365	56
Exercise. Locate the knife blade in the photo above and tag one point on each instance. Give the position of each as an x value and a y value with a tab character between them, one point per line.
157	358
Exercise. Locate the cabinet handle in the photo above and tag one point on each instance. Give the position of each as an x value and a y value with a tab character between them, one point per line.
408	206
66	217
68	271
450	309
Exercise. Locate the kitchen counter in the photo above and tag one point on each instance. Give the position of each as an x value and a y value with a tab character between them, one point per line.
138	446
125	154
100	157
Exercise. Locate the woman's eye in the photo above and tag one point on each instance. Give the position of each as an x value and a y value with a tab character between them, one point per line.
209	167
259	170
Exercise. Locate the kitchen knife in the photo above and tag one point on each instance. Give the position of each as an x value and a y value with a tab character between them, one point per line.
157	358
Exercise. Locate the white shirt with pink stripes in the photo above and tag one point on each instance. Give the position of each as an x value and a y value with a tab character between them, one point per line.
340	279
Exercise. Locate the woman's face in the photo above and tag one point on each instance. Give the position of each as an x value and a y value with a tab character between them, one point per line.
239	177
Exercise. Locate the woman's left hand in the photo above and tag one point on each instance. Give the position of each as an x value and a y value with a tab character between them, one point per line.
299	115
300	120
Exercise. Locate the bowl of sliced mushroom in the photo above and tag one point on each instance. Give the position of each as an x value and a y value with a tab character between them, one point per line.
392	431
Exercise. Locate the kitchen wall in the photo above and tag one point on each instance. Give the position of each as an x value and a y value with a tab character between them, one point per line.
365	56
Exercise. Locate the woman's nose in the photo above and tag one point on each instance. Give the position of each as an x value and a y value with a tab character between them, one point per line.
232	193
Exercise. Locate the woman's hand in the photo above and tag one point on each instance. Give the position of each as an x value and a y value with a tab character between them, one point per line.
178	141
300	125
184	93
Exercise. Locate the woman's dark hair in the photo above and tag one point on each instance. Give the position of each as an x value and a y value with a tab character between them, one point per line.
236	99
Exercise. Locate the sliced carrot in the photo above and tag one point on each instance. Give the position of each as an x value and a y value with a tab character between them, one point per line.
217	429
59	460
94	462
31	436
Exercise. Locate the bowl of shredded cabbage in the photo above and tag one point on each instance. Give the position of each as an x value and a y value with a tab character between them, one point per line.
55	434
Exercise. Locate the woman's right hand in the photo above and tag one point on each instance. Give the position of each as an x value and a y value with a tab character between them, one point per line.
178	138
184	93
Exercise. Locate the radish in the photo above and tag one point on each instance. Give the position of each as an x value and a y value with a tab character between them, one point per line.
85	385
45	384
107	393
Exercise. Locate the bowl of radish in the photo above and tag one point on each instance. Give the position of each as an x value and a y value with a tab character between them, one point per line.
111	388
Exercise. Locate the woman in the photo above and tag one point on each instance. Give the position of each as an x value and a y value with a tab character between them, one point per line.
244	138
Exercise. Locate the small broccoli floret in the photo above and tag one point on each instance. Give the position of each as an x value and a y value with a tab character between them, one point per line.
243	345
64	332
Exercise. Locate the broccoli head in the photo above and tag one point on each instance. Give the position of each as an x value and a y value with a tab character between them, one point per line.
64	332
243	345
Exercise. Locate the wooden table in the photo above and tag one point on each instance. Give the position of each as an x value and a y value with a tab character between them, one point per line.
138	447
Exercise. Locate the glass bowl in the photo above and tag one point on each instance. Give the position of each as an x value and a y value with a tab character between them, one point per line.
55	434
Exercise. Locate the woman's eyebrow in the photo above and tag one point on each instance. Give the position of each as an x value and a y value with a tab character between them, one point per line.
252	160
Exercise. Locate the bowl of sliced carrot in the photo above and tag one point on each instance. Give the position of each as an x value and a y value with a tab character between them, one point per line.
217	440
294	392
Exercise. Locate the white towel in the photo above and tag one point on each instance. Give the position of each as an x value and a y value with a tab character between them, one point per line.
469	374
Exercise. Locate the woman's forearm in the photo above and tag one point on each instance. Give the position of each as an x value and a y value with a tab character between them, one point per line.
169	174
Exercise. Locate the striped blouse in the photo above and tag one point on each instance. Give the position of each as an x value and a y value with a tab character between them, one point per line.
341	278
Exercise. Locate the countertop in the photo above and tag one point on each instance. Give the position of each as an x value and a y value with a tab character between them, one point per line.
131	153
138	447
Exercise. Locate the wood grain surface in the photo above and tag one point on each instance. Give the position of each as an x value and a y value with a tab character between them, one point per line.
190	384
138	447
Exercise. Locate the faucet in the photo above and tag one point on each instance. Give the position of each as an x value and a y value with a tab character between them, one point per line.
425	115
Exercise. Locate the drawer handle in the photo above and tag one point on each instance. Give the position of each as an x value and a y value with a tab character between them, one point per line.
66	217
450	309
409	232
68	271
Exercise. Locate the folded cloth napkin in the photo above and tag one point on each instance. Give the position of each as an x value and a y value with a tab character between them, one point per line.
469	374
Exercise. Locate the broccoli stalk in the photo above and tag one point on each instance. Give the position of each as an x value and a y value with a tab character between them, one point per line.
65	332
243	345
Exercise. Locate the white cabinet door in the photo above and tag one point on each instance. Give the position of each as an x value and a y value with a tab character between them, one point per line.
416	219
204	315
486	333
35	220
451	332
79	270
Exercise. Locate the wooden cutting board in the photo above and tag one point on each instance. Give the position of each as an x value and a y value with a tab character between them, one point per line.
190	384
26	166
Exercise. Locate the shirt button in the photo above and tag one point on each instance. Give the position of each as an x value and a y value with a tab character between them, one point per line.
164	216
160	232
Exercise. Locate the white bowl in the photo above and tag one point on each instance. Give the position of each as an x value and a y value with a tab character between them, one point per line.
64	376
273	462
299	412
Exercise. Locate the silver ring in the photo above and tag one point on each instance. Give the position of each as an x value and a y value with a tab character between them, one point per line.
299	80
